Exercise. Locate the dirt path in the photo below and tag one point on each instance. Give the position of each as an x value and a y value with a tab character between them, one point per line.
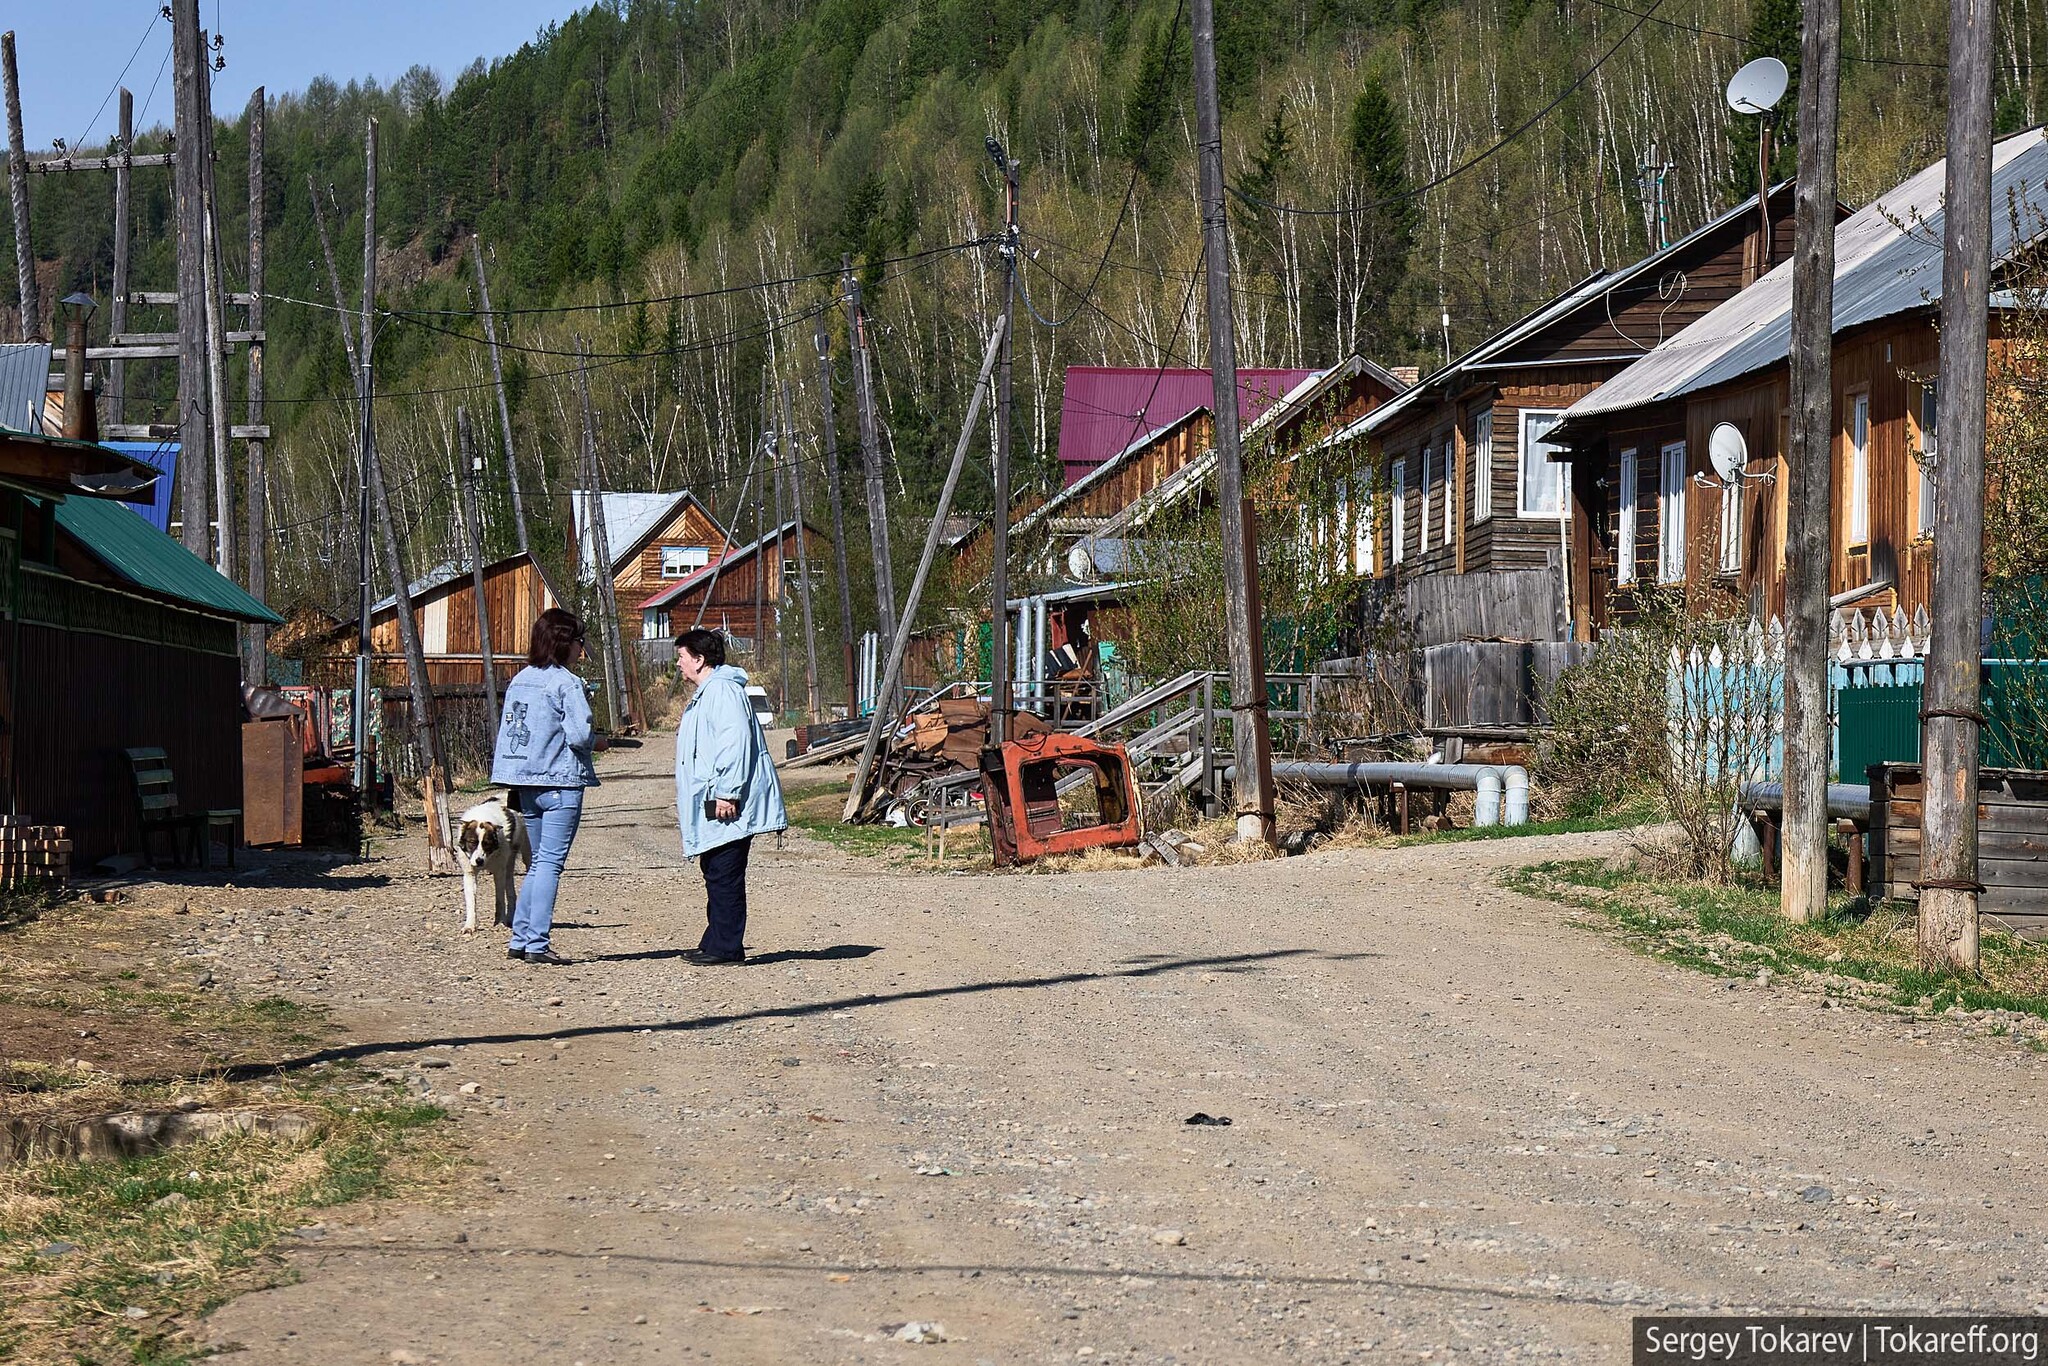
1462	1128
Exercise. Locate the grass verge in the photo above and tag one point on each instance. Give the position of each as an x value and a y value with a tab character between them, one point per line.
1862	952
815	807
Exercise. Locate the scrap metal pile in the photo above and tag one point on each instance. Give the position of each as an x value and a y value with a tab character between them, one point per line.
931	753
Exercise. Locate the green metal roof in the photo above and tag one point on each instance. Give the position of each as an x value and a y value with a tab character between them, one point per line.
153	562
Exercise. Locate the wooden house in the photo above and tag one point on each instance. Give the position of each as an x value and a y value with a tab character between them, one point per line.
1466	482
1652	511
656	541
112	636
1104	409
723	594
516	591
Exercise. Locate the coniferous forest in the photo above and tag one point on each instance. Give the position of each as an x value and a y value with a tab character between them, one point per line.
639	169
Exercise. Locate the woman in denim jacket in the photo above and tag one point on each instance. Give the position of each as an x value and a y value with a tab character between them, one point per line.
543	755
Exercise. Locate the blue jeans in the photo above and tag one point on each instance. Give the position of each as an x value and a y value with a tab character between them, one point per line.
552	815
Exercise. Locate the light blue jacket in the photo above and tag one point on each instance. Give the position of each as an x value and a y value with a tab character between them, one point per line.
544	731
722	752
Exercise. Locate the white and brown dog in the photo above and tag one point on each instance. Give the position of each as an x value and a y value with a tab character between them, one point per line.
493	833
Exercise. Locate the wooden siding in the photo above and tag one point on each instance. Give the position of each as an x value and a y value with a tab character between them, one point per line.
514	594
639	578
731	603
1145	470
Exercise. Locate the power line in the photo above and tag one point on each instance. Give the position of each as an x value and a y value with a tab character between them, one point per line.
1471	162
147	30
1736	37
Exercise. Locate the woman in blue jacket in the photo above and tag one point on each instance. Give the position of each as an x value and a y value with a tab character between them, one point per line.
543	755
726	791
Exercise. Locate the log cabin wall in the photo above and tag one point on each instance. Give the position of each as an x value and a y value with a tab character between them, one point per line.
639	577
514	594
731	600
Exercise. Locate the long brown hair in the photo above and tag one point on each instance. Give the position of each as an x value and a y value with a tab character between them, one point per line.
556	635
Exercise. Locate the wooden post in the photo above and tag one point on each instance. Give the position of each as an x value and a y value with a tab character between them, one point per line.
117	315
188	114
731	519
871	462
466	453
360	375
257	473
782	449
812	701
600	551
483	289
835	491
899	641
1809	496
392	548
1952	720
1253	787
1002	701
222	462
761	552
17	193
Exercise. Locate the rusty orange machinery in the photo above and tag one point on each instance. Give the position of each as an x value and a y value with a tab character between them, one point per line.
1020	782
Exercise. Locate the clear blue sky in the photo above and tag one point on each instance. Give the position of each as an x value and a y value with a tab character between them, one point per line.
71	54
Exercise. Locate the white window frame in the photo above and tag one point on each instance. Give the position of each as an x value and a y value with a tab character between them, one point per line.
1625	529
1422	499
1929	416
1364	545
690	559
1397	529
1671	479
1552	471
1482	467
1858	519
1731	528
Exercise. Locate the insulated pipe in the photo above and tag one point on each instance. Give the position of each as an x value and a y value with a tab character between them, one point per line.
1040	636
1846	801
1516	805
1486	809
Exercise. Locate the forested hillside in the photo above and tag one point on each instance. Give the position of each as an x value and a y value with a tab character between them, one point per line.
636	168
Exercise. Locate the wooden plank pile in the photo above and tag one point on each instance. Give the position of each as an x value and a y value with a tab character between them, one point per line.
32	853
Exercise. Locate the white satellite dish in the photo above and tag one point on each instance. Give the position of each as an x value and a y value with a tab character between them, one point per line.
1757	88
1728	452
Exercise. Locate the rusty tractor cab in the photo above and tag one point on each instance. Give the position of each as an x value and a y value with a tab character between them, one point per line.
1021	784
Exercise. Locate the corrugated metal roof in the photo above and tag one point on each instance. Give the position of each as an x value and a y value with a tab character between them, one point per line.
149	560
1580	294
24	378
1103	409
1887	261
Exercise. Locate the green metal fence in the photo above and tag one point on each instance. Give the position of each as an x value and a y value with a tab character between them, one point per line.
1880	720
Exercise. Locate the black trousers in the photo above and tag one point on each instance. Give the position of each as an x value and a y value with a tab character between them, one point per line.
725	889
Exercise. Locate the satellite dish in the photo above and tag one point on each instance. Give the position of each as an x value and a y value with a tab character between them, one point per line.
1757	88
1728	452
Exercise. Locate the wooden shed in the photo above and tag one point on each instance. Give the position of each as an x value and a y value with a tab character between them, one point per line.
516	592
114	637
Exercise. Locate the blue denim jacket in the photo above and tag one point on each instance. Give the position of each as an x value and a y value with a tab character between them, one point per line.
544	732
721	752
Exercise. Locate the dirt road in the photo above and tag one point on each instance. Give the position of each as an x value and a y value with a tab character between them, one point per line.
1461	1128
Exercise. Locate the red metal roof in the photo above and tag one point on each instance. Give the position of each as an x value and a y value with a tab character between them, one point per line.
1107	407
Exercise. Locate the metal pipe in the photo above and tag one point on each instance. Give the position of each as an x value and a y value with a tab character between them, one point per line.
1846	801
1513	780
1040	638
1515	799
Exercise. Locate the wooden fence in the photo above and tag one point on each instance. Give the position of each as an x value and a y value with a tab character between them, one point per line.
1501	604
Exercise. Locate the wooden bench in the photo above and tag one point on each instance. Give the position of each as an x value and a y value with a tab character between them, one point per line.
160	812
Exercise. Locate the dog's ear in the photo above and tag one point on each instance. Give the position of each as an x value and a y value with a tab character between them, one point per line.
467	838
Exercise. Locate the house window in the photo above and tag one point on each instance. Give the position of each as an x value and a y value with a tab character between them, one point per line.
1923	480
1731	528
1671	514
1540	487
1482	466
1397	549
1625	533
1859	470
1428	474
680	561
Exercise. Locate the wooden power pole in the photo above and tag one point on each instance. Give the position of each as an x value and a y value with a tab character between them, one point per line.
812	700
871	464
472	531
1001	702
1242	627
257	473
1809	491
601	553
124	231
1953	720
17	194
188	208
215	320
835	490
483	289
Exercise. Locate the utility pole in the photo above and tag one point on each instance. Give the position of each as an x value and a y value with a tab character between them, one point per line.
1242	627
1653	172
216	332
466	452
803	562
761	552
781	574
359	374
1001	703
1809	491
257	474
483	289
871	462
835	489
420	686
601	552
117	316
1953	720
188	201
17	193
